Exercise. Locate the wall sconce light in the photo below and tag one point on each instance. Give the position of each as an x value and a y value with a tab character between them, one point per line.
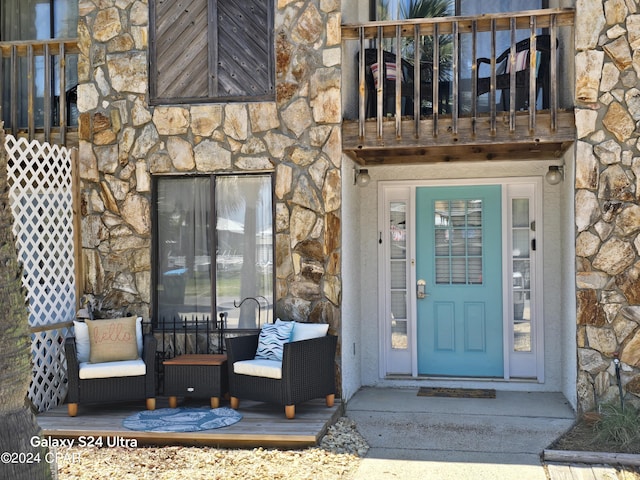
555	174
361	177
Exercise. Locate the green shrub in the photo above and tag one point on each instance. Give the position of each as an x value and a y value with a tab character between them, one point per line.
617	425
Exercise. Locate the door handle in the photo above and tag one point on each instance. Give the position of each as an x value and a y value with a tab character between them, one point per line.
421	289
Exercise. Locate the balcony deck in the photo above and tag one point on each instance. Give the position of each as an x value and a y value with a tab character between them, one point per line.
511	109
446	146
262	425
32	75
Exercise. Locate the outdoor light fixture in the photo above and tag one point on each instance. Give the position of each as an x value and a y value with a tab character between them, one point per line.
555	174
361	177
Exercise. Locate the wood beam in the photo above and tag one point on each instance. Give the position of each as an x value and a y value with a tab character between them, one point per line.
542	143
458	153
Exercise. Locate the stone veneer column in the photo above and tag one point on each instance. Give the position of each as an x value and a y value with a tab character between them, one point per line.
607	199
124	141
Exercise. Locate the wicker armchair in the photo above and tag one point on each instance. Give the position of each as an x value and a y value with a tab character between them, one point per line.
308	371
112	389
522	76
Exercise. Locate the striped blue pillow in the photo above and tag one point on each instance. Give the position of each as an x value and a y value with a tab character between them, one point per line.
271	340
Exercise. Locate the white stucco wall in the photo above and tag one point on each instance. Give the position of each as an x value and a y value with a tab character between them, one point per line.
352	12
568	260
559	340
351	292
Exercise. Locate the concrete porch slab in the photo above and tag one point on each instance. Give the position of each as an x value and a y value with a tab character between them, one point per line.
433	437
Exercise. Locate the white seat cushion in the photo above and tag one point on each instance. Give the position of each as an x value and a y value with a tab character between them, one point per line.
259	368
81	331
126	368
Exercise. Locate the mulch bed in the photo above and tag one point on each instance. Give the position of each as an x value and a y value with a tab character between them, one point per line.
581	437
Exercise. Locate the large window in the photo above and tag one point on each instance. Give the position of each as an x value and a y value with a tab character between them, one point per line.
24	20
405	9
203	50
213	249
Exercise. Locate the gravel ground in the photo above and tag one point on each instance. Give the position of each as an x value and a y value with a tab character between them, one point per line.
337	457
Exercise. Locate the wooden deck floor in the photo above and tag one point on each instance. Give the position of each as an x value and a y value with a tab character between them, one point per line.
262	425
582	471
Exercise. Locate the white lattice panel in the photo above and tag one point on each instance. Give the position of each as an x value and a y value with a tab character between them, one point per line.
48	384
41	199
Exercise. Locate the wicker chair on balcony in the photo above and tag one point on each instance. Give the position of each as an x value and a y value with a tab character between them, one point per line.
405	75
307	371
110	382
522	73
387	75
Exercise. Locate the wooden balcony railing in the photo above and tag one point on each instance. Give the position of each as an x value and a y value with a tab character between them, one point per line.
438	99
32	75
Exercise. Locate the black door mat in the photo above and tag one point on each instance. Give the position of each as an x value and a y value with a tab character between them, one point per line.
456	392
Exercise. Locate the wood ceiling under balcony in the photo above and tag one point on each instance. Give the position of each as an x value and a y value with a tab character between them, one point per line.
522	144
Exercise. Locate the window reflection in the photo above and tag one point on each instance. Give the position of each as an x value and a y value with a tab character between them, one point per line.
244	246
398	296
39	20
521	266
403	9
458	241
193	282
184	248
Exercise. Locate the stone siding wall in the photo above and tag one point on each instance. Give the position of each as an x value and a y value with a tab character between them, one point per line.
124	142
607	199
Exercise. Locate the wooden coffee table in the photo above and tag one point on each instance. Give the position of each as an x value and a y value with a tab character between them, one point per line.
196	375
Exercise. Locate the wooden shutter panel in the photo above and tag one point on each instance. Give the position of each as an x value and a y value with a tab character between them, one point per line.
180	53
243	58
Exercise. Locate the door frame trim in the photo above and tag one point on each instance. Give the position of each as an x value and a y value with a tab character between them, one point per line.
411	185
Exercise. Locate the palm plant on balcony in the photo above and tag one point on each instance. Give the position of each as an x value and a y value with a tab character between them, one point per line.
430	9
406	9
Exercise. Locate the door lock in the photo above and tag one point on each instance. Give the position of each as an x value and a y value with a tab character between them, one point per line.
421	287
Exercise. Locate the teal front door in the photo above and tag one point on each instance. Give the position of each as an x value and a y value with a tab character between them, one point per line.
459	269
